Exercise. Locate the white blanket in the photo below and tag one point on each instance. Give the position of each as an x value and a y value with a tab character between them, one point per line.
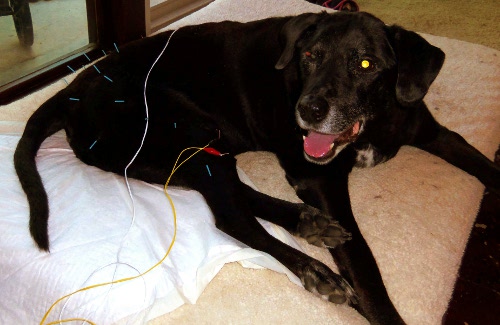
93	236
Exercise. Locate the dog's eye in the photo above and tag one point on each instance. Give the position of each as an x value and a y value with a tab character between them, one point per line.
311	55
366	65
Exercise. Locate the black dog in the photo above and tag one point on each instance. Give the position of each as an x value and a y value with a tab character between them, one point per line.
325	92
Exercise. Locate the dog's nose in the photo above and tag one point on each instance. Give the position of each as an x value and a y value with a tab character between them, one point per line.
312	108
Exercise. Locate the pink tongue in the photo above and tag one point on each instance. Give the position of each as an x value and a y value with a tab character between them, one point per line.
317	144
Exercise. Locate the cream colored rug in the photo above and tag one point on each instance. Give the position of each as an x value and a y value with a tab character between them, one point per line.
415	211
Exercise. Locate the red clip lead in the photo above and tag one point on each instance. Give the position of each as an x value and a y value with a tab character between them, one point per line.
212	151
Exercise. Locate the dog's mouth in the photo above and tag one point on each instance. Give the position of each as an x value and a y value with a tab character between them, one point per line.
321	148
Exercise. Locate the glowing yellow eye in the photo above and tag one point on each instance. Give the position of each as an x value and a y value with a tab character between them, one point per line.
365	64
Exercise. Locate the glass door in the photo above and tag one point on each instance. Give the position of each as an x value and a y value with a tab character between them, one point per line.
40	40
35	34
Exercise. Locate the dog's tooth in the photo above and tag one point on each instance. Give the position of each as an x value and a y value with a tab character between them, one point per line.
304	137
332	145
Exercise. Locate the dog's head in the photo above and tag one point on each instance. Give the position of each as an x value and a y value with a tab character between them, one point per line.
352	66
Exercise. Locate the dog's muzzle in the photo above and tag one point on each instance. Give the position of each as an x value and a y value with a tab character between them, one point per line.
321	146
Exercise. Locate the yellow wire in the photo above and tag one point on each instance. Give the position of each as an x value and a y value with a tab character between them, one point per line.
174	169
71	320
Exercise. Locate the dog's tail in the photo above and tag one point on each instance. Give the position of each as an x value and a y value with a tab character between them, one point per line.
47	120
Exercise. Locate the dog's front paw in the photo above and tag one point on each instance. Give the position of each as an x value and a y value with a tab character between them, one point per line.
320	280
320	229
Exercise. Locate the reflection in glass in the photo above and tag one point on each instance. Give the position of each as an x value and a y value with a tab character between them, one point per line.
59	27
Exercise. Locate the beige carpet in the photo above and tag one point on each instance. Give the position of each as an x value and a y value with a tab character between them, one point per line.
415	211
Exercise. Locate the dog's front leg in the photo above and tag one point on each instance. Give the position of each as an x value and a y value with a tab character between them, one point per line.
300	219
354	258
234	207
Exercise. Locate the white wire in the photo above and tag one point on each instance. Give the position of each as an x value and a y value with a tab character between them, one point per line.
118	262
145	130
129	190
135	156
137	153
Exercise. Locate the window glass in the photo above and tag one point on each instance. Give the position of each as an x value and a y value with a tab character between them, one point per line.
59	27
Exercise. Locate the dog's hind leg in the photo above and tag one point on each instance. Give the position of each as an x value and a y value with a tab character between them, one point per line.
300	219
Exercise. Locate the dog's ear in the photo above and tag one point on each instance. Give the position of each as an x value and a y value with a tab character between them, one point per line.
291	33
418	64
